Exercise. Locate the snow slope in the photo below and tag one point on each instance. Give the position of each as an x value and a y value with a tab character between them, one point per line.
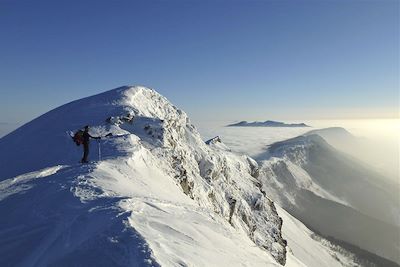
333	193
312	249
160	196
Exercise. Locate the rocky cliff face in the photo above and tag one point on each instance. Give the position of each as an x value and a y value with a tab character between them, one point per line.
214	177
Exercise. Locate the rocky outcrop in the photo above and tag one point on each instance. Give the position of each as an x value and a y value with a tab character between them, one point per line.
212	175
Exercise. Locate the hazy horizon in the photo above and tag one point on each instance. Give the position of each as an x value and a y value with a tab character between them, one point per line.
8	127
380	134
379	137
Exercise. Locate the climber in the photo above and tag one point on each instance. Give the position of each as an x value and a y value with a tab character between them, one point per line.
85	141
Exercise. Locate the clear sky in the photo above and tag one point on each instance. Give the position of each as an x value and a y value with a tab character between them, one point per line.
228	60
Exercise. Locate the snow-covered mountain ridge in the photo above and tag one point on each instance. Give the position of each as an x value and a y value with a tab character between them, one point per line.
139	161
333	193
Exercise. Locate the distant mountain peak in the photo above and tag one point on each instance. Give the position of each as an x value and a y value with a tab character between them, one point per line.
331	131
267	123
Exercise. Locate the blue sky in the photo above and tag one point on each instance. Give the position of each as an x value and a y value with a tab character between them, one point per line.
228	60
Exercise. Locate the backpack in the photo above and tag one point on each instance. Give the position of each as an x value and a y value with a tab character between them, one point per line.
78	137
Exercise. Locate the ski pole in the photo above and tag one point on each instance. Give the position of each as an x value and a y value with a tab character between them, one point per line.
98	142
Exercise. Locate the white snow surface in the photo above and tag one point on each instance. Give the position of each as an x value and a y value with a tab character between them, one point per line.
18	184
302	181
159	196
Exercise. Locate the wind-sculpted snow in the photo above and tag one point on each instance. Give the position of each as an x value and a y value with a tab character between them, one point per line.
20	183
48	226
159	196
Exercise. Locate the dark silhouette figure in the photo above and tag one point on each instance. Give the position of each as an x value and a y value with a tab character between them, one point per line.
86	141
